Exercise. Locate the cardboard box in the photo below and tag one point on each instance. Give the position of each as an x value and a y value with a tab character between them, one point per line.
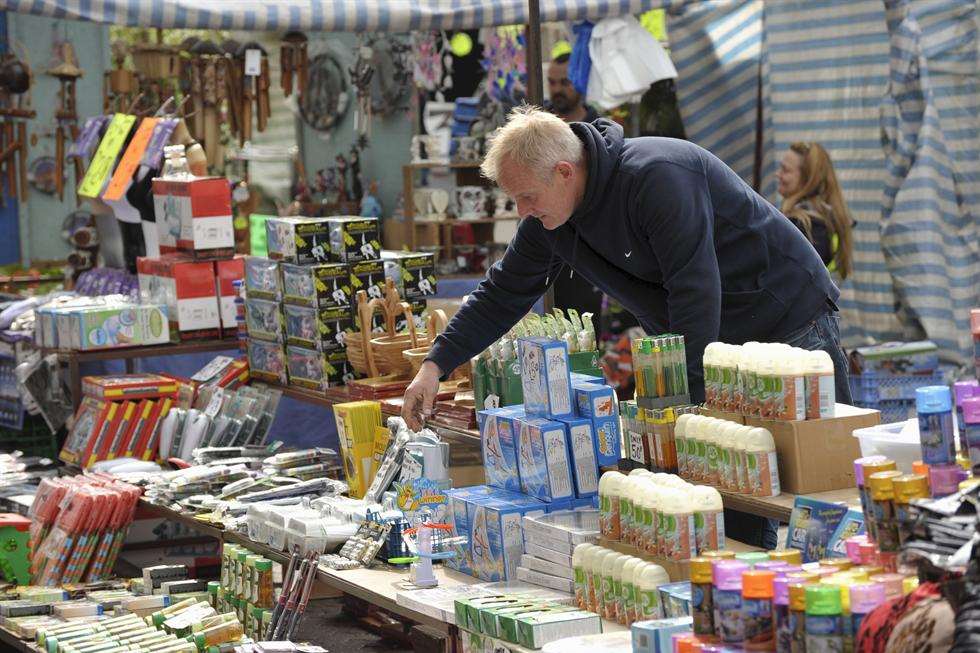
128	386
582	451
128	325
818	455
545	379
314	328
594	400
654	635
607	440
187	289
317	370
414	273
266	361
534	631
496	537
354	239
263	319
194	215
322	285
368	276
262	280
298	239
498	443
542	459
85	426
546	567
226	272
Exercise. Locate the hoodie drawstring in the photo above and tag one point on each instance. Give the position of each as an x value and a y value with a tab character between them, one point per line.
554	245
571	266
551	260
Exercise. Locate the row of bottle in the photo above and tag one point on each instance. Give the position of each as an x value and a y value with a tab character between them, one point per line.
660	514
769	380
615	586
727	455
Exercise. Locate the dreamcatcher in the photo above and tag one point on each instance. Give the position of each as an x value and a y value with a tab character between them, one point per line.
505	63
380	78
326	98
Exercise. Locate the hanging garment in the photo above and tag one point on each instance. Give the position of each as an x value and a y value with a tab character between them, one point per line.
579	62
618	75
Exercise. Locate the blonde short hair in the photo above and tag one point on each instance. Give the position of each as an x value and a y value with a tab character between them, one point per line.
533	139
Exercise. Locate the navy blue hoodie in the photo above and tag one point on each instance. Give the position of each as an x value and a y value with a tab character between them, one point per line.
672	233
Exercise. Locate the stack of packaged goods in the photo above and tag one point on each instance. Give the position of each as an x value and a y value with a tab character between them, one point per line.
246	588
105	322
660	368
649	435
513	618
886	376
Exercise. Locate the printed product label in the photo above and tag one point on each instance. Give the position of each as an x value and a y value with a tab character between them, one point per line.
820	396
637	526
702	609
936	438
605	516
709	530
757	621
792	404
728	615
581	599
855	623
609	598
711	451
763	474
824	634
692	458
648	604
680	443
678	540
597	597
972	437
558	390
702	456
556	463
627	603
725	468
784	634
647	535
797	629
626	519
636	447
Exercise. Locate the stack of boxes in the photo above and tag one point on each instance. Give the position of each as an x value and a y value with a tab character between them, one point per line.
540	457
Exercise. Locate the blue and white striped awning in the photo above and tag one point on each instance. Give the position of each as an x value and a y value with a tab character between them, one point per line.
325	15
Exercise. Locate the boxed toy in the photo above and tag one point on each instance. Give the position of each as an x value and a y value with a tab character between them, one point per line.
194	215
317	370
676	599
322	329
266	361
654	636
545	377
458	519
414	273
594	399
496	537
499	451
323	285
607	440
542	459
263	319
536	630
581	447
262	278
354	239
106	327
226	272
297	239
85	426
128	386
187	289
368	276
571	528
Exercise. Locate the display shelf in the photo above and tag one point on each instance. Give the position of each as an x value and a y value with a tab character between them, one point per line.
11	642
780	507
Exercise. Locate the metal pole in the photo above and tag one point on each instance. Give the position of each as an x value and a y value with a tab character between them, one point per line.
535	85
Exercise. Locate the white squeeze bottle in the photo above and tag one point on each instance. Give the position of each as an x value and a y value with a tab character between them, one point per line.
617	591
709	519
726	448
598	563
738	448
760	461
765	381
677	519
791	398
712	453
728	395
820	393
695	463
581	576
610	487
646	540
609	597
626	509
712	373
638	493
626	608
647	578
680	442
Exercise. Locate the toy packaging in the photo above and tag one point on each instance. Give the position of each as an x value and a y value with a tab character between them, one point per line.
594	399
321	329
897	358
266	361
355	430
262	278
194	215
413	273
607	440
581	448
542	459
317	370
298	239
107	327
368	276
226	272
497	439
654	636
324	285
187	289
850	525
86	424
545	377
128	386
497	540
263	319
354	239
811	525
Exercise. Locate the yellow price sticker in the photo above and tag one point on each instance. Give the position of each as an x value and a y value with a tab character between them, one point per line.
105	157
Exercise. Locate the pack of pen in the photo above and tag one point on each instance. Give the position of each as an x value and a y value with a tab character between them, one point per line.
290	459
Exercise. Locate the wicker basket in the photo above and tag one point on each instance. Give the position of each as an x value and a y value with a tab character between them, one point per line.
387	349
359	352
436	324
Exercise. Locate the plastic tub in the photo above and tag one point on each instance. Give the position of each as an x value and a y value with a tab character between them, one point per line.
895	441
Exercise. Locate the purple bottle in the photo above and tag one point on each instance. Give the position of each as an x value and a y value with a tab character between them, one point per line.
727	595
780	609
864	598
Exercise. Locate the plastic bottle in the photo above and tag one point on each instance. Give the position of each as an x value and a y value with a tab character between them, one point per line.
610	488
728	371
863	492
588	567
612	566
944	479
789	556
757	610
680	442
760	461
598	565
934	407
712	452
843	582
892	584
738	448
963	390
709	519
907	487
676	514
864	598
702	602
780	611
691	436
791	404
727	594
646	580
767	374
727	479
712	374
647	532
970	433
626	508
883	509
824	623
797	613
820	389
580	575
752	558
626	606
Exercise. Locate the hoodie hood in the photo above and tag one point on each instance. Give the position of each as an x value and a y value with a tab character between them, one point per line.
603	140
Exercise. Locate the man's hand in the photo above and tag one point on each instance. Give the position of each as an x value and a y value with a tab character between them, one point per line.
420	396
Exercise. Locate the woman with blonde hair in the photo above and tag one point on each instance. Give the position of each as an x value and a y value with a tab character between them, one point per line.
813	201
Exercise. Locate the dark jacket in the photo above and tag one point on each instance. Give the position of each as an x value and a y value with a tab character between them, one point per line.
671	232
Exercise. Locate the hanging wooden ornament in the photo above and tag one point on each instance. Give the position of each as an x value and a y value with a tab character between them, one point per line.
360	76
67	72
293	63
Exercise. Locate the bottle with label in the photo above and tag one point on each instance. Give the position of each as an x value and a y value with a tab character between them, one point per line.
780	614
617	582
626	607
610	487
843	582
824	619
691	436
646	580
757	610
632	489
963	390
598	565
819	383
580	575
863	493
934	407
709	519
727	595
727	478
970	433
610	597
864	598
712	454
712	373
760	463
680	441
797	614
676	512
767	372
649	505
738	450
588	567
702	603
883	509
908	487
791	404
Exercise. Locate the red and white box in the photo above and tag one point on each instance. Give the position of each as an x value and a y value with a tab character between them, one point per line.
194	215
226	272
187	288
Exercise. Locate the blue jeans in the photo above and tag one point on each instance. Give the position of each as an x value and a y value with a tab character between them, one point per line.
822	333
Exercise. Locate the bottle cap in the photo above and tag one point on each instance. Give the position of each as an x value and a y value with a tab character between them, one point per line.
727	574
784	569
797	596
892	584
780	590
869	554
701	570
885	465
859	467
214	586
909	584
933	399
790	556
882	488
839	563
971	409
963	390
768	565
752	558
910	486
757	584
823	600
852	546
718	555
964	463
944	479
919	467
866	597
856	575
263	565
870	570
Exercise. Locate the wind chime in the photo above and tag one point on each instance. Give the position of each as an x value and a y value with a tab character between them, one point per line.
360	76
248	83
293	62
66	115
208	91
15	102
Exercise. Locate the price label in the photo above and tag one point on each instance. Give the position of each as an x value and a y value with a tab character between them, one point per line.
636	447
130	161
253	62
105	157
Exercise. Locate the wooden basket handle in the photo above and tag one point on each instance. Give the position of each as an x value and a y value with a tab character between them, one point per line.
365	311
436	324
406	309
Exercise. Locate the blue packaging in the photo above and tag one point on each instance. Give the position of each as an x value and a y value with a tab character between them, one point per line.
581	449
676	599
654	635
850	525
934	406
542	459
594	399
499	450
578	377
459	520
607	438
545	377
496	536
811	525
